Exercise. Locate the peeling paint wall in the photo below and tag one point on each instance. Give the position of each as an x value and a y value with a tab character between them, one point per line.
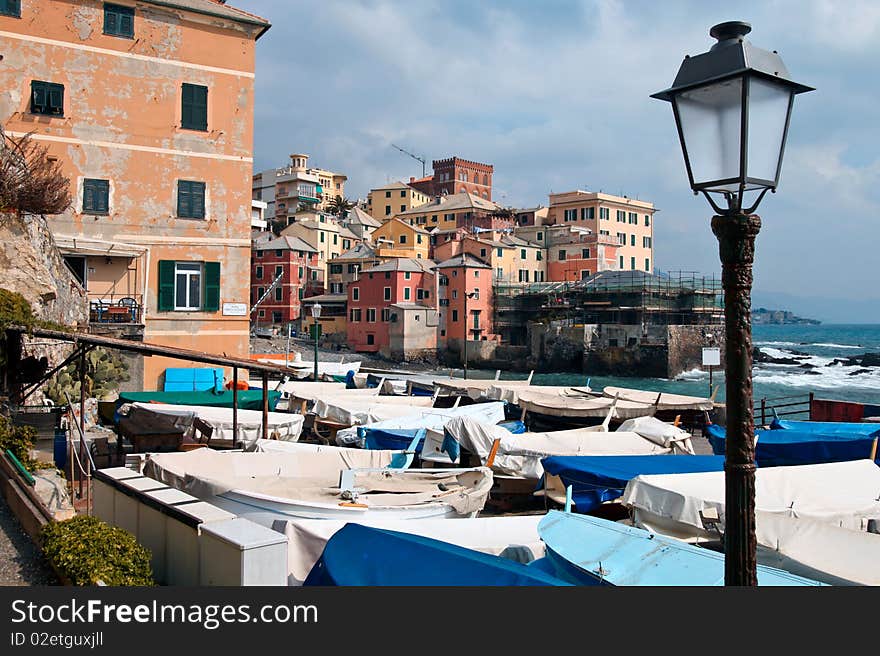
122	122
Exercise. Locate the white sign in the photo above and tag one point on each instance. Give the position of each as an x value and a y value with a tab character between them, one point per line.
235	309
711	357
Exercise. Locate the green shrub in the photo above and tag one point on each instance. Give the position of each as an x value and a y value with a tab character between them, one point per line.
87	550
20	440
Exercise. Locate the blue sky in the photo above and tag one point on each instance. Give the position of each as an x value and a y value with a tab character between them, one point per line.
556	93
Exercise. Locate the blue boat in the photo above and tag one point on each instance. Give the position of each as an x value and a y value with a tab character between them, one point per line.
359	555
827	427
596	479
586	550
795	447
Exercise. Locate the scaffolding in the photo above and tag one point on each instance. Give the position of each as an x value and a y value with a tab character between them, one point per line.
611	297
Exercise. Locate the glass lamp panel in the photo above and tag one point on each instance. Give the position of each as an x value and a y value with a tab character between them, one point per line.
711	124
768	111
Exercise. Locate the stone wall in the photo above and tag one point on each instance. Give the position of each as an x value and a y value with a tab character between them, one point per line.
686	346
31	265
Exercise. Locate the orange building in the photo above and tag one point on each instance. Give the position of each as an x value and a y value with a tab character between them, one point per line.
149	108
630	222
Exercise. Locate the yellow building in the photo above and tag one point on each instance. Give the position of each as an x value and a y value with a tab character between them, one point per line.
386	202
397	238
325	235
450	211
148	106
629	221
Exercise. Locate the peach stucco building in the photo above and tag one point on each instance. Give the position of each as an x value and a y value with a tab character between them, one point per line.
630	222
149	108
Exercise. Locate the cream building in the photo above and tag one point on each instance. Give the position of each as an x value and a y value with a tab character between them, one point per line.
629	221
384	203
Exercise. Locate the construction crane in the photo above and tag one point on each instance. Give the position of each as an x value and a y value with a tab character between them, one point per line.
415	157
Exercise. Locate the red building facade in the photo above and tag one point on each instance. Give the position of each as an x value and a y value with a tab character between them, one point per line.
297	264
454	175
402	280
459	277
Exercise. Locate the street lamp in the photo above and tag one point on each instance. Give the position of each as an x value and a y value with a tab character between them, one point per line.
316	314
732	107
467	295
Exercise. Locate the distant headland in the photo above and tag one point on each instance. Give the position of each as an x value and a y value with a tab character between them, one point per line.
779	317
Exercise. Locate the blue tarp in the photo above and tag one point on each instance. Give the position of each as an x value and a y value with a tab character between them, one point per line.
588	550
793	447
360	555
827	427
595	479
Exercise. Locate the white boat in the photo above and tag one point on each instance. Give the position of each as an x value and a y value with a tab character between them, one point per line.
661	400
359	409
515	538
844	494
520	454
399	429
321	484
579	404
282	425
306	369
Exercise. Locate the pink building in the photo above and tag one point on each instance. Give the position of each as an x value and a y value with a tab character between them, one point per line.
296	262
402	282
575	253
465	300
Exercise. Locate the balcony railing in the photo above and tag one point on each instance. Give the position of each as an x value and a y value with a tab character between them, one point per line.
116	308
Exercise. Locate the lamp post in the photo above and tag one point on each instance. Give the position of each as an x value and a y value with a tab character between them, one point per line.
466	297
732	108
316	314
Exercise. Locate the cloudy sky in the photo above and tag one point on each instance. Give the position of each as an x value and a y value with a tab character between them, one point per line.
556	93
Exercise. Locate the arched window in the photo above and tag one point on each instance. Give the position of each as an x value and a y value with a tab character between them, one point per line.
463	190
486	195
476	178
485	180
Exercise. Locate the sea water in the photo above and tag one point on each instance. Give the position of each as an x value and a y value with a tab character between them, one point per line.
817	346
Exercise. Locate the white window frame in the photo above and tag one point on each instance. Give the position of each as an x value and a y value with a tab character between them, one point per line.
189	272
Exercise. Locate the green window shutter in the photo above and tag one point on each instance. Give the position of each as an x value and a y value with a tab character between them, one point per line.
166	285
212	287
183	200
194	107
197	197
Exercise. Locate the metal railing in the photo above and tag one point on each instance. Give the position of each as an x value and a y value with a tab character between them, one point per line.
115	308
799	405
79	456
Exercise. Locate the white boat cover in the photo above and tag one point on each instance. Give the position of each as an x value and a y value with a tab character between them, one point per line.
660	433
359	409
282	425
308	482
477	389
843	494
520	454
304	368
511	392
667	401
515	538
574	402
347	455
306	390
822	551
431	419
